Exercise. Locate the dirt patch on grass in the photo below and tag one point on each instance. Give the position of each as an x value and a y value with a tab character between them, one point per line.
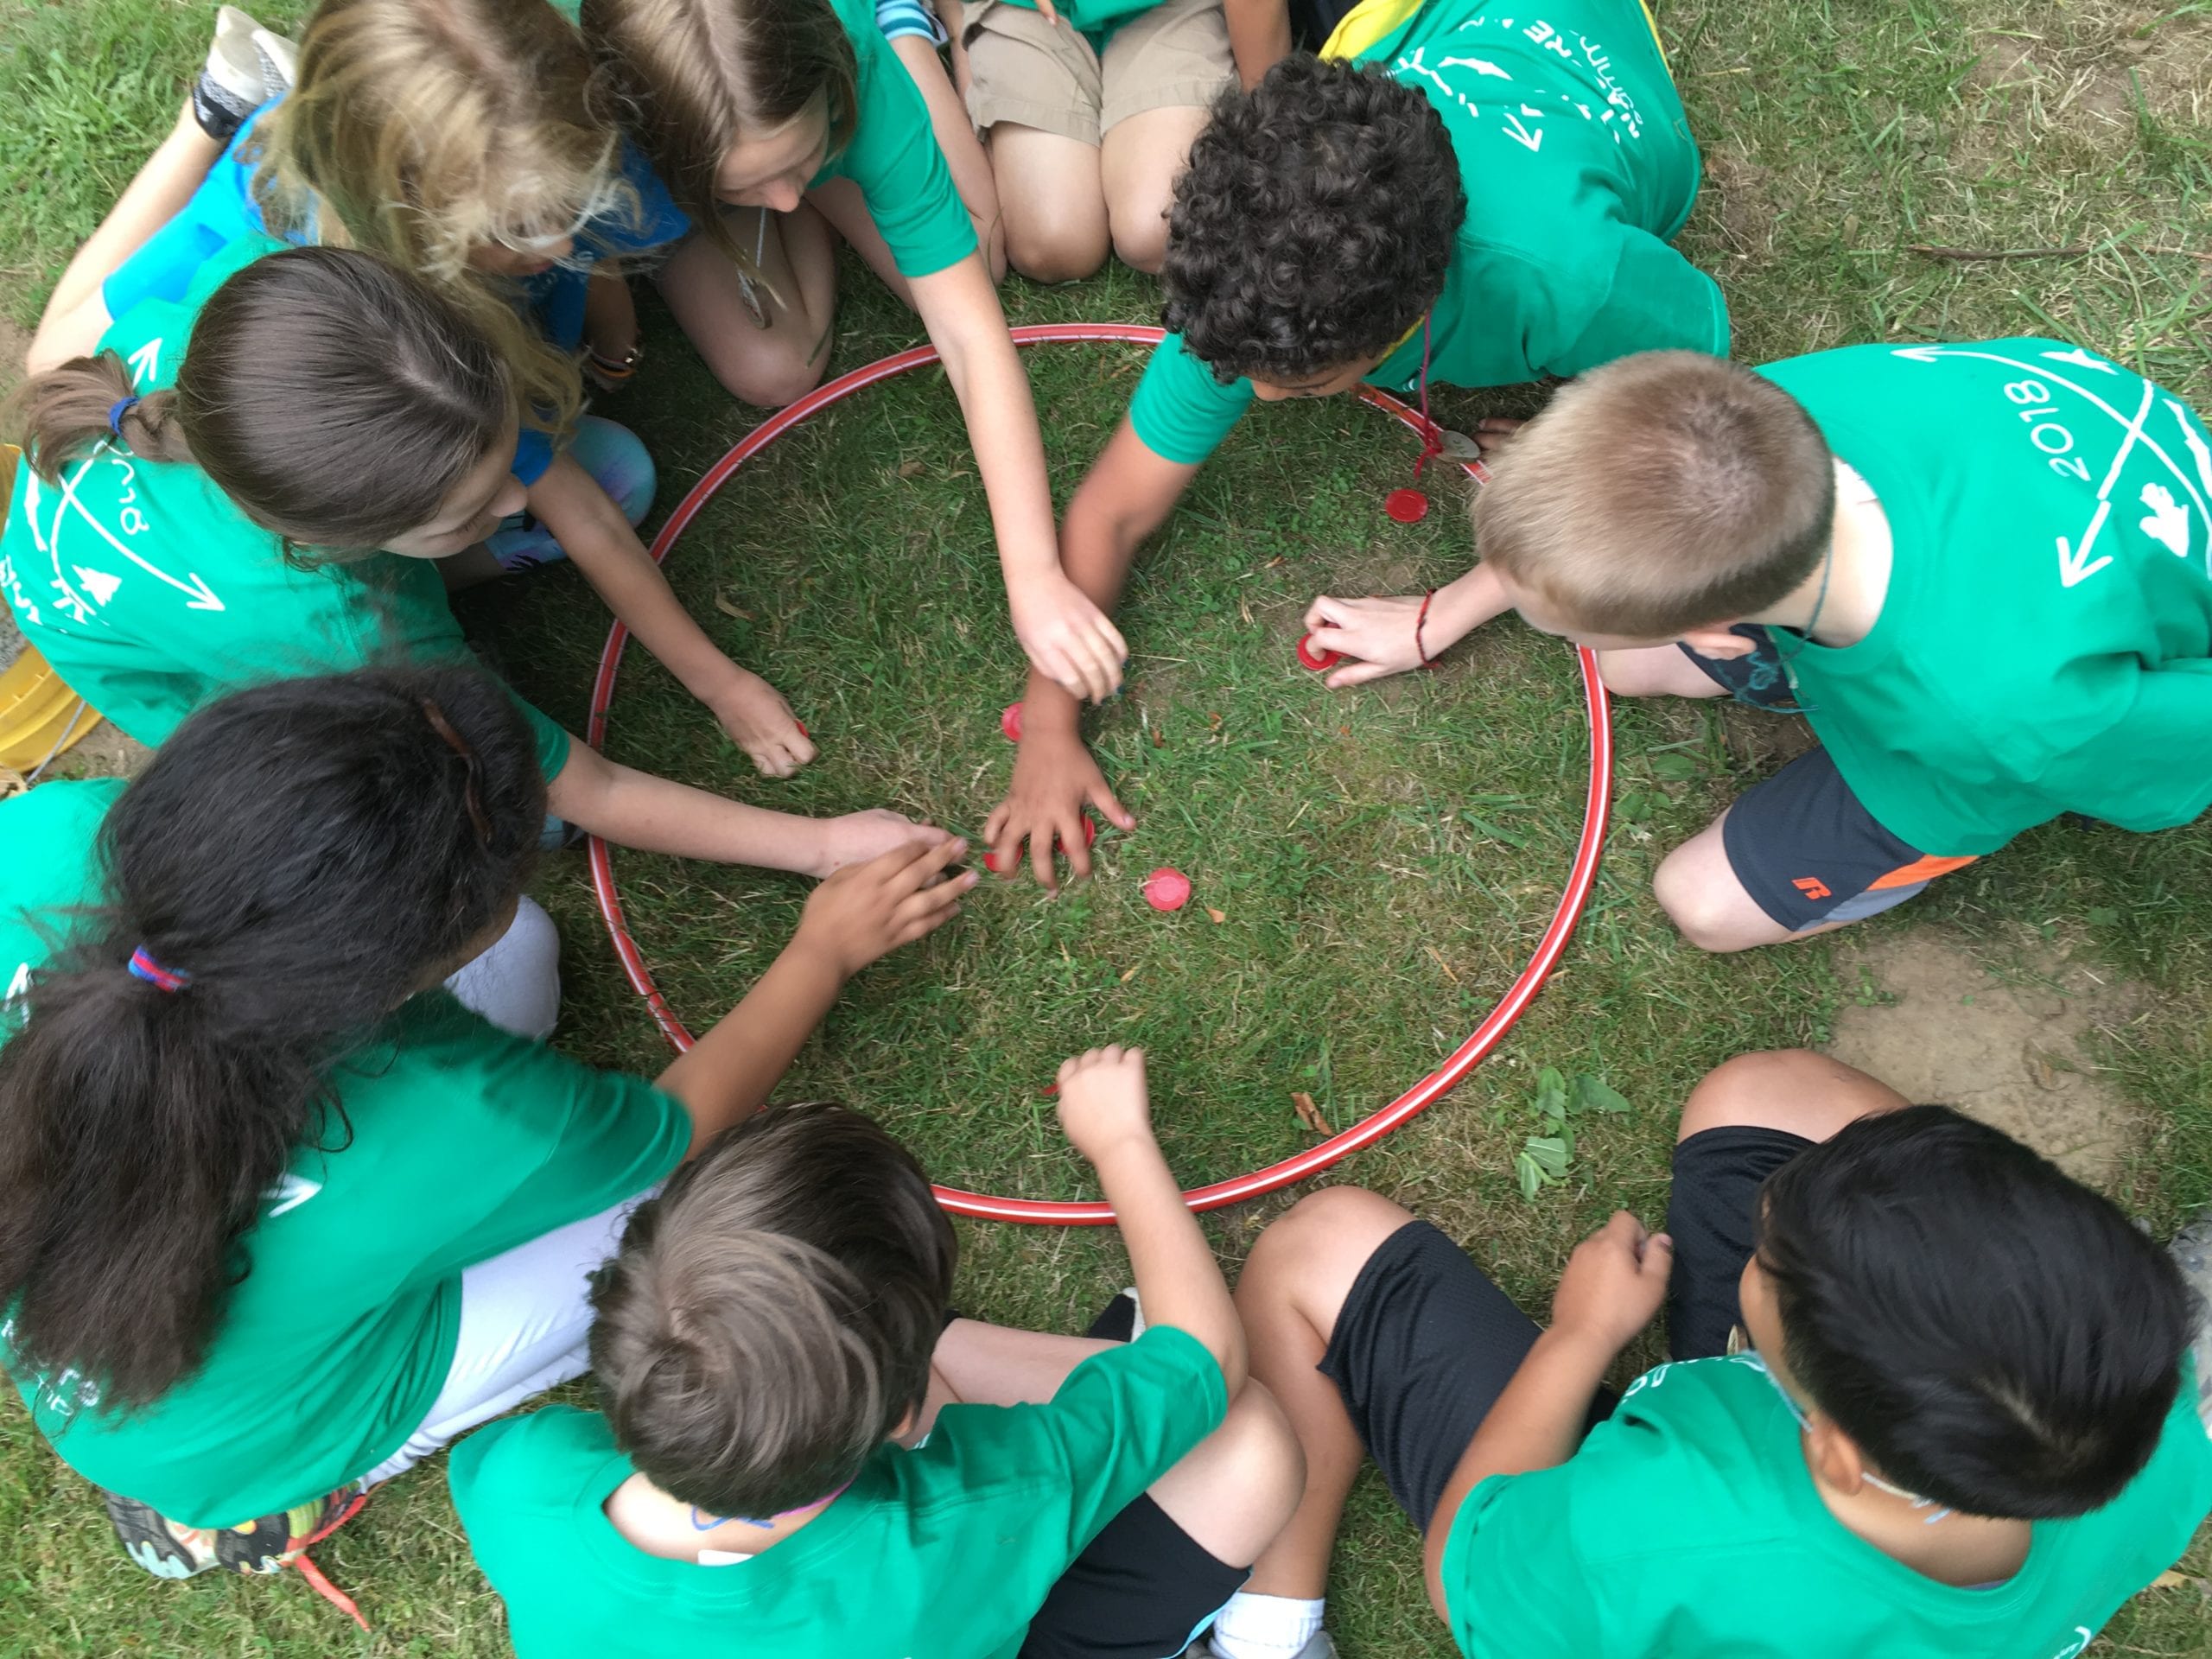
2011	1041
2086	80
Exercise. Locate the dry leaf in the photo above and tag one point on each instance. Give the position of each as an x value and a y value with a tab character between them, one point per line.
910	469
728	606
1308	1113
1129	975
1440	963
1213	721
1215	916
1159	741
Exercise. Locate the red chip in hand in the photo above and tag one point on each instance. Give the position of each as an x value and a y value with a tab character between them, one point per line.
1010	722
1167	889
1090	835
803	732
1406	506
1314	658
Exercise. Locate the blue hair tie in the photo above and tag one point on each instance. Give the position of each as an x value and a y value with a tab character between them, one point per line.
118	410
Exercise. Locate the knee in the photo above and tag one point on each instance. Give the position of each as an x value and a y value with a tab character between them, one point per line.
1792	1090
1254	1463
619	461
1700	911
1048	246
516	982
1630	673
770	377
1140	234
1335	1224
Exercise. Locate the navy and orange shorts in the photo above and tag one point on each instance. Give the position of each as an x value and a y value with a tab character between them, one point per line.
1803	845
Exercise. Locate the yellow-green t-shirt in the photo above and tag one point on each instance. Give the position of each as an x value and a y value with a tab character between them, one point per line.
1579	168
2045	643
150	592
1688	1526
457	1141
946	1549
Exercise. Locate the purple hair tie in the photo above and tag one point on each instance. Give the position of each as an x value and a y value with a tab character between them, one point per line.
116	410
142	966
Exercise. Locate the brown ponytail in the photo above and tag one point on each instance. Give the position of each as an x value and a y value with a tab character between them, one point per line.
59	417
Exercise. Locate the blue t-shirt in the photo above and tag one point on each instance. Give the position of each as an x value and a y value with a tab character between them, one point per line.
223	209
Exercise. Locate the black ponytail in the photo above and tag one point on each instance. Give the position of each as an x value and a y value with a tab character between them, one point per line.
310	854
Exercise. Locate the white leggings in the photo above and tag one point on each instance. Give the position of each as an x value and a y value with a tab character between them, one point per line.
524	1315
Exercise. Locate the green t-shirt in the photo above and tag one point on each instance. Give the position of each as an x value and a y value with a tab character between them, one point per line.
946	1549
150	592
2045	645
1579	168
894	158
458	1142
1687	1525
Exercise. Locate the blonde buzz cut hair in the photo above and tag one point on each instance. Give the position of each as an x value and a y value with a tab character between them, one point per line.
1665	491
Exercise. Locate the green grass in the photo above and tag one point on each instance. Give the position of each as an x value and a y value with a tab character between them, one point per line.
1837	136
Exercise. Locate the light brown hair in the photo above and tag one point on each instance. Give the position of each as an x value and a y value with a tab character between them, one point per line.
422	128
699	76
336	400
1664	492
770	1317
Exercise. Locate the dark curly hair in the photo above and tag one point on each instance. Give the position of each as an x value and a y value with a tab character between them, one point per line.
1314	223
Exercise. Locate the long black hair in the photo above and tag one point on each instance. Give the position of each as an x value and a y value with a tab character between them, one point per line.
310	854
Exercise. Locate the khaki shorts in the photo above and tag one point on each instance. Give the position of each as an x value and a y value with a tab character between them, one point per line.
1023	69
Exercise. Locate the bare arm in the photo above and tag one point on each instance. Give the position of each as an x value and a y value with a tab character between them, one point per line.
1063	632
1259	36
856	916
610	316
1611	1289
1127	495
1105	1112
600	541
1387	636
656	815
76	316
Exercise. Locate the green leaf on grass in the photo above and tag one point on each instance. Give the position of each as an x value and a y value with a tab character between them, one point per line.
1530	1174
1550	1153
1593	1094
1551	1093
2103	916
1675	768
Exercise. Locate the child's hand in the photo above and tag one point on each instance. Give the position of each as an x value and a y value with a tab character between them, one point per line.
1104	1105
1614	1284
761	723
1054	779
859	836
1067	636
867	910
1378	633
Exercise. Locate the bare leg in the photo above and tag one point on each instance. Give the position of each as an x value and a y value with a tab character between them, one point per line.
784	360
1294	1286
1655	671
1053	200
1229	1493
1138	163
76	317
1789	1088
1698	890
956	136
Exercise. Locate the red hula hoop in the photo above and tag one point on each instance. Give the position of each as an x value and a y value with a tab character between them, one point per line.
1426	1093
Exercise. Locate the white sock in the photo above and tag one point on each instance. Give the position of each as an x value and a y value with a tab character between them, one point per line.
1264	1627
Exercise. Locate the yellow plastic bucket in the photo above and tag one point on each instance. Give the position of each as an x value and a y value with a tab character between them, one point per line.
40	716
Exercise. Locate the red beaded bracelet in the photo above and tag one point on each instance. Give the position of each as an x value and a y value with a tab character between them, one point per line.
1419	649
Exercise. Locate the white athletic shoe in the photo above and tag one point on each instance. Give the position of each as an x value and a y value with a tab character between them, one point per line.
1320	1648
247	66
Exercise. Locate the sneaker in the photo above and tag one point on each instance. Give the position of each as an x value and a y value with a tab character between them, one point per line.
267	1545
280	61
1122	1320
1320	1648
2192	1252
235	83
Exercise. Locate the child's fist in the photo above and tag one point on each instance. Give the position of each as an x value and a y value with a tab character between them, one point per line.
1614	1282
1103	1101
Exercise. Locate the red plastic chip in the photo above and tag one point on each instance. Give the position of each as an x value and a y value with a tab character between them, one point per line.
1167	889
1406	506
1317	660
1010	722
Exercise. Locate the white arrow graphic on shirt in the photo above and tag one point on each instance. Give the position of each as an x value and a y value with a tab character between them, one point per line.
2198	451
2082	359
199	596
2073	566
146	361
1480	66
291	1193
1932	354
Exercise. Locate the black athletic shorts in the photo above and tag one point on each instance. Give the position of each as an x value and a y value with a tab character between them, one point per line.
1712	1217
1423	1346
1143	1588
1801	843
